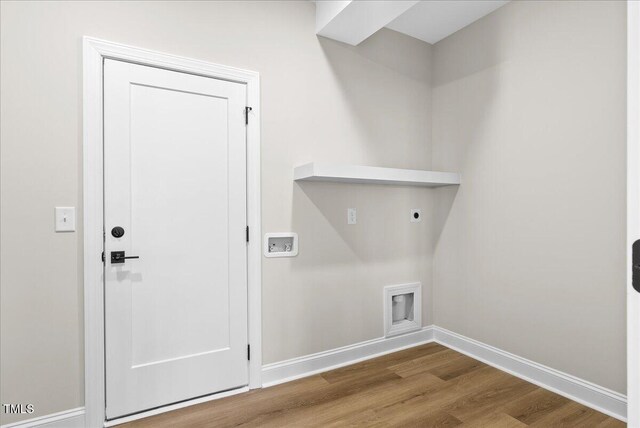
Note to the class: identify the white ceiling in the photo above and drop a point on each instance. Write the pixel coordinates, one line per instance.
(432, 21)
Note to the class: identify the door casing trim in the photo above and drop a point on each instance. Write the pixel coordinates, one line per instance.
(633, 208)
(95, 51)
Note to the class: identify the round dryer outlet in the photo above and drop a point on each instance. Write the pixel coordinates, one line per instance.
(416, 215)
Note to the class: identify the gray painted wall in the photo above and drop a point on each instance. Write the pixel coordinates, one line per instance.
(530, 105)
(321, 101)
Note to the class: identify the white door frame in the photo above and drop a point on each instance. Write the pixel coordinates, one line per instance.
(633, 209)
(94, 53)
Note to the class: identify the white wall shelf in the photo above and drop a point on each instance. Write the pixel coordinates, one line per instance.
(316, 171)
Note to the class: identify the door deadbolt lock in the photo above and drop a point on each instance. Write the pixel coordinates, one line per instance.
(119, 257)
(117, 232)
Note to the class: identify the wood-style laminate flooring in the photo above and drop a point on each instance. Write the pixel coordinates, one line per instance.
(425, 386)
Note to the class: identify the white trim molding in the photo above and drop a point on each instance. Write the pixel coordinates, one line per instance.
(94, 53)
(296, 368)
(601, 399)
(73, 418)
(597, 397)
(591, 395)
(633, 209)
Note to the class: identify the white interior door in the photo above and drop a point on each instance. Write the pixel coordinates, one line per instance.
(633, 214)
(175, 182)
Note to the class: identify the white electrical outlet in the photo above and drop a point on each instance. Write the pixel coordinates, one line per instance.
(351, 216)
(416, 215)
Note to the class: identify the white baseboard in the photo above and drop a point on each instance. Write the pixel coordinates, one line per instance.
(73, 418)
(597, 397)
(295, 368)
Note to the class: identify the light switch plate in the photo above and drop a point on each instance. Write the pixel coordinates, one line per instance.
(65, 219)
(352, 217)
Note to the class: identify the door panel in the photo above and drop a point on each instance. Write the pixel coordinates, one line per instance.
(189, 202)
(176, 318)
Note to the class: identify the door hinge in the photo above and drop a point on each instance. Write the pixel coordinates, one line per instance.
(246, 114)
(103, 257)
(247, 233)
(635, 266)
(248, 352)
